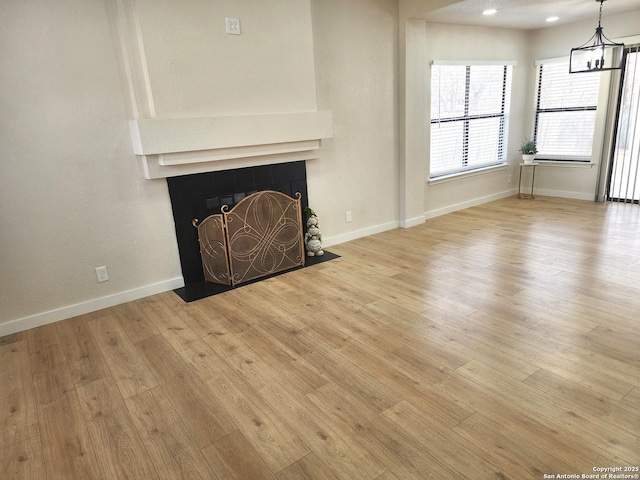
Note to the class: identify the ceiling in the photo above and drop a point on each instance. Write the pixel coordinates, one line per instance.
(529, 14)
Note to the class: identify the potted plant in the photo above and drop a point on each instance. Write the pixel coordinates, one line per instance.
(528, 150)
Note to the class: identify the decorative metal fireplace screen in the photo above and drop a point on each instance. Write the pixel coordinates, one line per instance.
(260, 236)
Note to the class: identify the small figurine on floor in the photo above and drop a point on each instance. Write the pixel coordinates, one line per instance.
(312, 236)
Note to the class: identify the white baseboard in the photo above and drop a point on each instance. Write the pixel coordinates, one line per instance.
(39, 319)
(560, 193)
(412, 222)
(365, 232)
(336, 240)
(470, 203)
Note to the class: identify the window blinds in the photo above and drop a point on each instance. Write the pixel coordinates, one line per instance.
(469, 116)
(565, 112)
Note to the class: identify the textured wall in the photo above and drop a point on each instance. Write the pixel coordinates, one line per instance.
(356, 69)
(72, 197)
(456, 42)
(196, 69)
(581, 182)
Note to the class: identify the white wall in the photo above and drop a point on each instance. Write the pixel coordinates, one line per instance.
(424, 42)
(72, 194)
(356, 44)
(578, 181)
(292, 56)
(195, 69)
(455, 42)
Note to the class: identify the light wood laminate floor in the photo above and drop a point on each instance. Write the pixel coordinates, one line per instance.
(501, 341)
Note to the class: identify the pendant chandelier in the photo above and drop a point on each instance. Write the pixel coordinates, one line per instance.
(597, 54)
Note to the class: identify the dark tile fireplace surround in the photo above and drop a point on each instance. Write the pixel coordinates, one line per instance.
(203, 194)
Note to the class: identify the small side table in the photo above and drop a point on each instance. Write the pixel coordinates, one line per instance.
(533, 179)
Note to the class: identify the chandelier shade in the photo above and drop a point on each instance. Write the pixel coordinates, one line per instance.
(596, 54)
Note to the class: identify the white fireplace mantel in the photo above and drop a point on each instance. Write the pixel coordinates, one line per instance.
(181, 146)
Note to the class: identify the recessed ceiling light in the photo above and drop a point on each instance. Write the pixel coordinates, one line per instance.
(553, 19)
(490, 11)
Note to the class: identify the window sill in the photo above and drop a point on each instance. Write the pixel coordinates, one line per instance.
(471, 173)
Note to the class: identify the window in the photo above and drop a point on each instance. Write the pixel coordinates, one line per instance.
(469, 117)
(565, 112)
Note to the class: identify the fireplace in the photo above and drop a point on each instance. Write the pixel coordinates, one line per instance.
(204, 144)
(203, 194)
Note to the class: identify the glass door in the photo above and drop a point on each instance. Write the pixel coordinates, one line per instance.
(624, 174)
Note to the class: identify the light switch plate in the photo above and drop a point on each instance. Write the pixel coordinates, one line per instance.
(232, 25)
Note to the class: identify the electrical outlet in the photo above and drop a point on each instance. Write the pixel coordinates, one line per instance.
(232, 26)
(509, 178)
(101, 274)
(347, 216)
